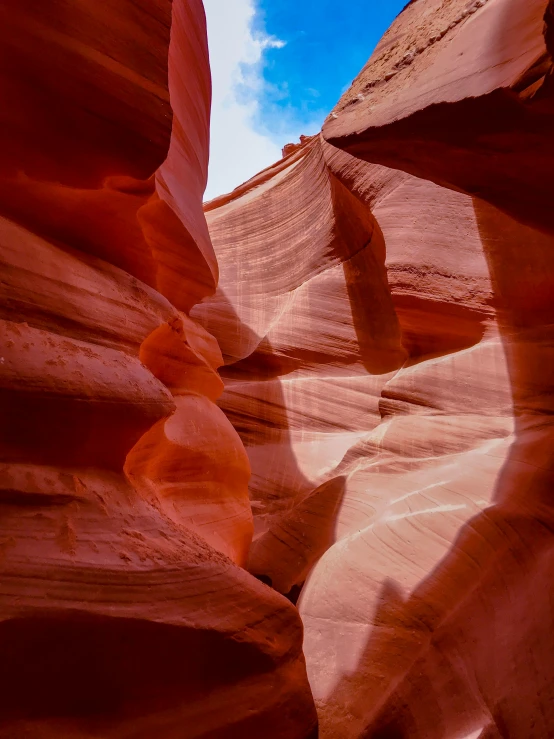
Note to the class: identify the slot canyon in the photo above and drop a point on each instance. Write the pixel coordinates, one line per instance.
(279, 465)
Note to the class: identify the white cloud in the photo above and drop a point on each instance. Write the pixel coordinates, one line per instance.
(273, 43)
(238, 150)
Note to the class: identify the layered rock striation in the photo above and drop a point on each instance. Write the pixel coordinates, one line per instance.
(377, 443)
(124, 511)
(385, 311)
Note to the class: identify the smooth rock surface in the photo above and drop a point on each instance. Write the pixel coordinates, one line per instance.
(380, 304)
(124, 512)
(395, 404)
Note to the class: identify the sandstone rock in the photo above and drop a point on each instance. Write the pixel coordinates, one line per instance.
(443, 647)
(384, 320)
(478, 103)
(308, 333)
(123, 487)
(396, 412)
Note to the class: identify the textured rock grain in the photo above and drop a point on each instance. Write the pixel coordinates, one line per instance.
(124, 513)
(383, 319)
(395, 404)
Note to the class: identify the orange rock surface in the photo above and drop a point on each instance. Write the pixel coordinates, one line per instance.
(377, 443)
(385, 314)
(125, 517)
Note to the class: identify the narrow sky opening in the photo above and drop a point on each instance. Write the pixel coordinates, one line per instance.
(278, 68)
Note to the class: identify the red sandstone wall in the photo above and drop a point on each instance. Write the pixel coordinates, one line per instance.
(385, 311)
(124, 513)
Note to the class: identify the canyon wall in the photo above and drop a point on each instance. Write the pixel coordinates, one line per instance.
(385, 314)
(376, 446)
(124, 511)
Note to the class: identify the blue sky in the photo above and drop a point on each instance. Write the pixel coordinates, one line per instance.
(326, 44)
(278, 68)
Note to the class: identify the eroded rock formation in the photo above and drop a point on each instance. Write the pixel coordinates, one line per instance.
(381, 300)
(124, 512)
(385, 314)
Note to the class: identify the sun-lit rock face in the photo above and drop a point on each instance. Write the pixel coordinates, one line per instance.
(308, 329)
(124, 513)
(460, 93)
(385, 314)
